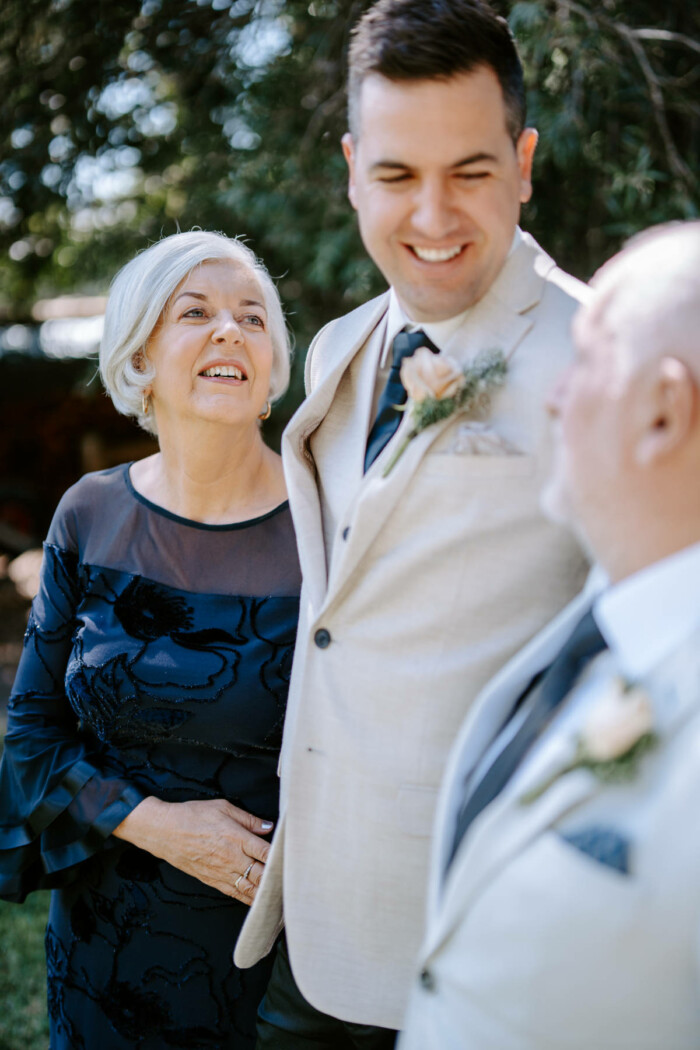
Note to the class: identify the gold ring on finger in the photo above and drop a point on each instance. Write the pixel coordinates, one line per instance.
(248, 870)
(235, 885)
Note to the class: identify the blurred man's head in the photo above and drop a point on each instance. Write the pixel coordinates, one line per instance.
(438, 155)
(627, 412)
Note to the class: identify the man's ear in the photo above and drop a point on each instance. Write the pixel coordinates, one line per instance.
(349, 154)
(670, 411)
(525, 148)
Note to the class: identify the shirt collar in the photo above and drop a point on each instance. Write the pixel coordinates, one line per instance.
(645, 617)
(440, 332)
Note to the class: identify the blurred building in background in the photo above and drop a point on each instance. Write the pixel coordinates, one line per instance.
(57, 423)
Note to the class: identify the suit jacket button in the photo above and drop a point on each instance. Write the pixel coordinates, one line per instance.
(322, 638)
(427, 979)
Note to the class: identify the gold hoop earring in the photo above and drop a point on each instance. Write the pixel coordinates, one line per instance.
(267, 413)
(145, 404)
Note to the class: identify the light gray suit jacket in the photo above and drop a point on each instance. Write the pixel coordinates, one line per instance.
(426, 582)
(534, 943)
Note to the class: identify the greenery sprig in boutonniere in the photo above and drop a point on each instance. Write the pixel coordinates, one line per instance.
(437, 387)
(616, 736)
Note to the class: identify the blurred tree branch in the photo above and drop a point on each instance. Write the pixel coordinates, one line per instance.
(123, 121)
(654, 83)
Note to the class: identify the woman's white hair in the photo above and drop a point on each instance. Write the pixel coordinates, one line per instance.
(138, 296)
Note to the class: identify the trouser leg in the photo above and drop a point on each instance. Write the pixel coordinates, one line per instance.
(287, 1021)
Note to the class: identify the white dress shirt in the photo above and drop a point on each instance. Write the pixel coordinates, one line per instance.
(644, 619)
(648, 615)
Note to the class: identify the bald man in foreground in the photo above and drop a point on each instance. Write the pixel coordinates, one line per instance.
(564, 907)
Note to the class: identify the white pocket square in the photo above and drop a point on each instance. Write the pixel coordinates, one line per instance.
(480, 439)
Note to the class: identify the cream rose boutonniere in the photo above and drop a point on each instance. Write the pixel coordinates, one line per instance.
(617, 734)
(427, 375)
(437, 387)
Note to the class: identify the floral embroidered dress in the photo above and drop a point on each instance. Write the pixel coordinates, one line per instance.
(156, 662)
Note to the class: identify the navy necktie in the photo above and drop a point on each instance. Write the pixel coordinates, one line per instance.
(388, 418)
(554, 685)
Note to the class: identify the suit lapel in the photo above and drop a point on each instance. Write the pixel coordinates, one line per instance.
(487, 718)
(507, 825)
(350, 332)
(306, 515)
(375, 498)
(338, 446)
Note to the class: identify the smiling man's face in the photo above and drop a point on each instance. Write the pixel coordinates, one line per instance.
(437, 183)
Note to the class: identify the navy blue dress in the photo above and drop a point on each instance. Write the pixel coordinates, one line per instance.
(156, 662)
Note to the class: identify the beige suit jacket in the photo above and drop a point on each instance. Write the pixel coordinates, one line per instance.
(533, 944)
(427, 582)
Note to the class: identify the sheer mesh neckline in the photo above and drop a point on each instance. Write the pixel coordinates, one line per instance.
(190, 521)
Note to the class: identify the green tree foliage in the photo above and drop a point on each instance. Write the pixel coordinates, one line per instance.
(125, 120)
(613, 90)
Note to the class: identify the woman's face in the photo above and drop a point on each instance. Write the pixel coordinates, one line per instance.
(211, 349)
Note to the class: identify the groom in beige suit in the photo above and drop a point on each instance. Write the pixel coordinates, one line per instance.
(421, 582)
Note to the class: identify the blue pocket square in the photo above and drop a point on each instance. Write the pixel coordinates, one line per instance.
(606, 846)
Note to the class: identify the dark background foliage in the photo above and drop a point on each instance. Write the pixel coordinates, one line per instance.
(228, 115)
(123, 120)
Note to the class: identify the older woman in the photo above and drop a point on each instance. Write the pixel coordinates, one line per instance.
(139, 774)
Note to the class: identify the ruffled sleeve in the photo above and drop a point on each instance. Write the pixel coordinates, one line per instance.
(59, 802)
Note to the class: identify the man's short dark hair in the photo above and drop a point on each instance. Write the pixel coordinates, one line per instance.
(435, 40)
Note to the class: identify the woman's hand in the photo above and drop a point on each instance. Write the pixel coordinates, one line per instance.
(214, 841)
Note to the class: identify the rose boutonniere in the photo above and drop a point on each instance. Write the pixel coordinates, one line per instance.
(437, 387)
(616, 735)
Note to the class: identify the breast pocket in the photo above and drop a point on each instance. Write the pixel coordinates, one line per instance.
(464, 465)
(565, 889)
